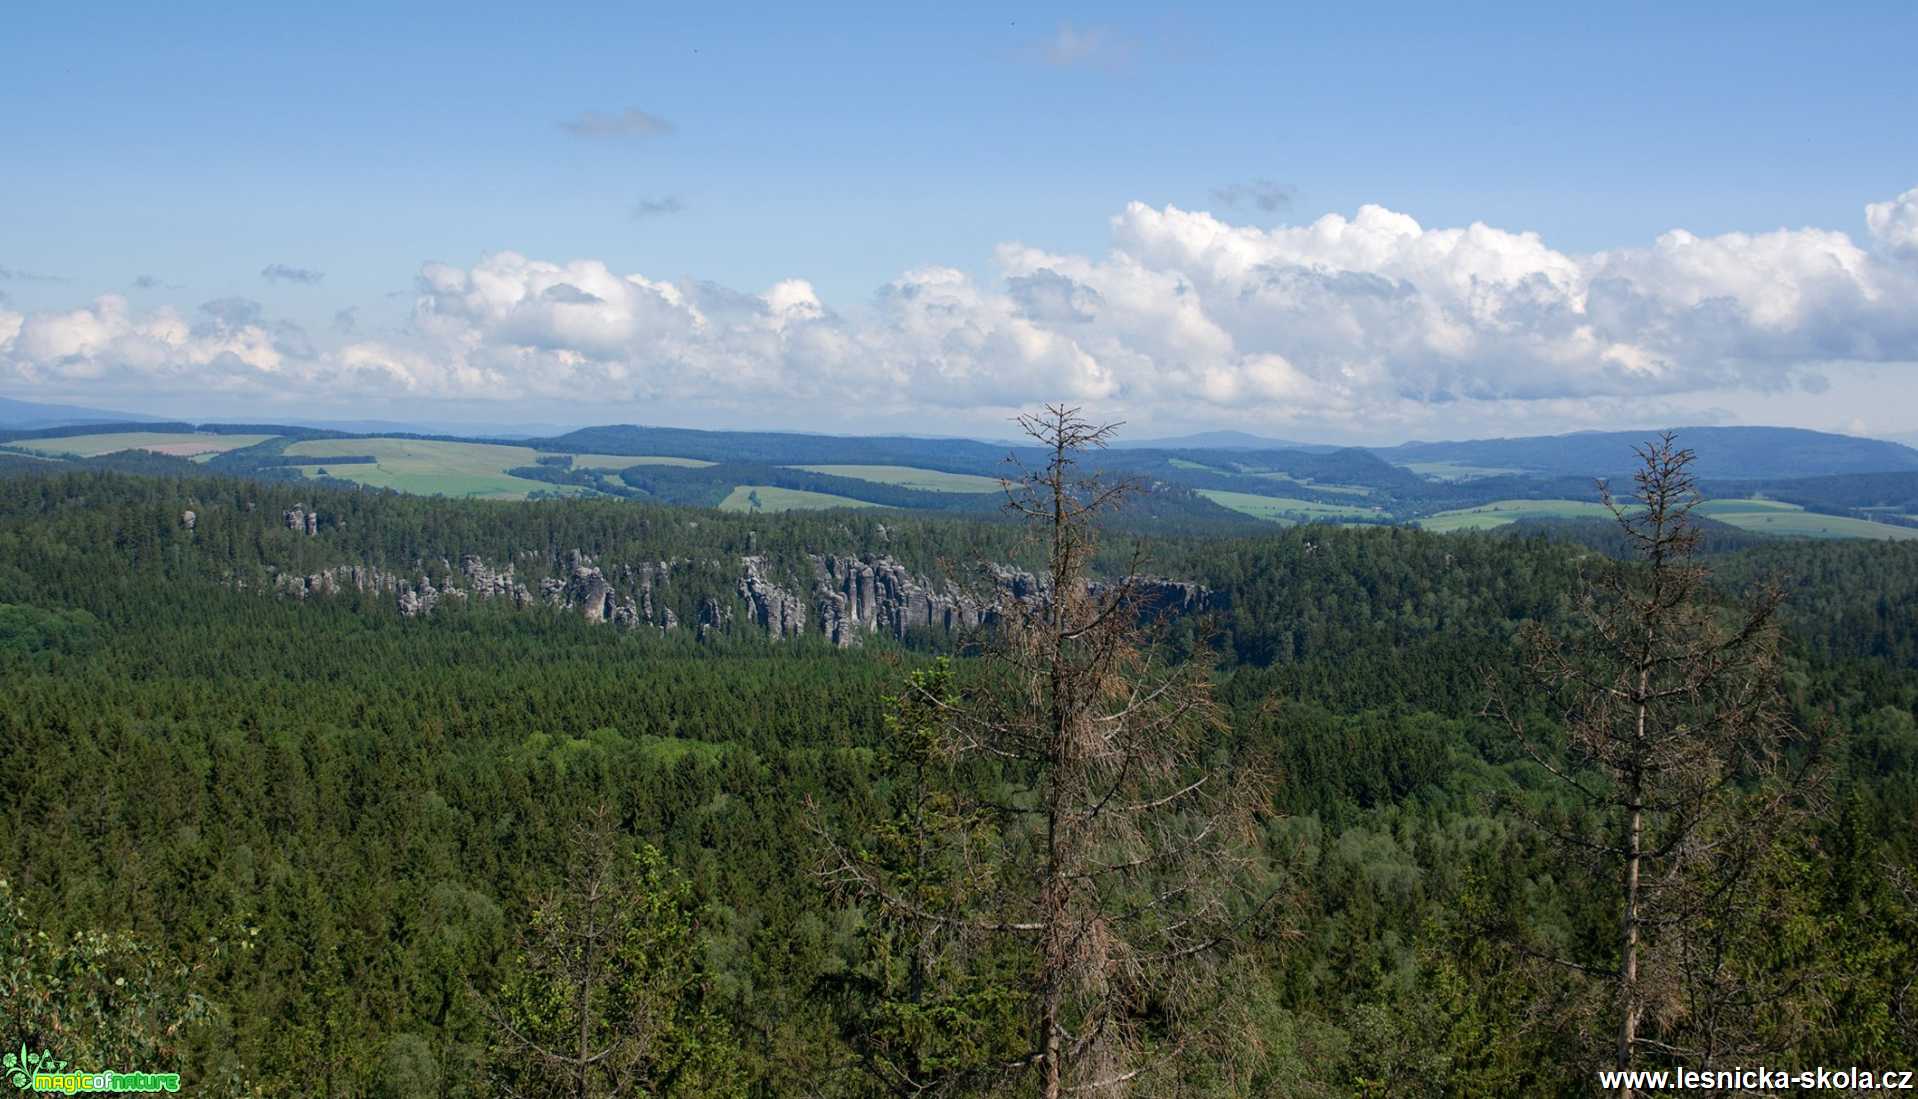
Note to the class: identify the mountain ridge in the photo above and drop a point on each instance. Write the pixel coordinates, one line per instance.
(18, 414)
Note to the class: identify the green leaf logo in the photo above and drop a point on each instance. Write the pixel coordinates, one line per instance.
(21, 1067)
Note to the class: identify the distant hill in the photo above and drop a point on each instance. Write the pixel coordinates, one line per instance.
(1724, 453)
(448, 428)
(31, 414)
(1217, 440)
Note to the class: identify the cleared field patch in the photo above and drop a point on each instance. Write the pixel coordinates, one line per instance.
(1792, 521)
(628, 461)
(1810, 524)
(1187, 463)
(1317, 486)
(180, 444)
(430, 467)
(1500, 512)
(1284, 509)
(925, 480)
(1718, 509)
(1456, 471)
(773, 498)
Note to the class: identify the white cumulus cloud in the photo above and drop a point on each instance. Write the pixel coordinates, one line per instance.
(1895, 223)
(1351, 320)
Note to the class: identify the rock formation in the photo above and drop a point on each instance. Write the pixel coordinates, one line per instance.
(298, 519)
(483, 582)
(870, 594)
(774, 609)
(712, 617)
(851, 596)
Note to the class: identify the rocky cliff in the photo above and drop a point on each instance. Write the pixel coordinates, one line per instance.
(849, 596)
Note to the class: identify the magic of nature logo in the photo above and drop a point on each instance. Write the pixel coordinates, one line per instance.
(42, 1071)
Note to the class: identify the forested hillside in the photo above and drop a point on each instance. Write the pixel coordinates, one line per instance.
(285, 837)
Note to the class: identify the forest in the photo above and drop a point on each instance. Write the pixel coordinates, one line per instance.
(1356, 829)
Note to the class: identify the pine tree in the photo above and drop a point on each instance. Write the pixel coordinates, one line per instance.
(606, 993)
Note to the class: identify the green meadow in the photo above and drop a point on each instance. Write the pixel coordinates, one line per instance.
(1792, 521)
(436, 467)
(431, 467)
(1456, 471)
(1319, 486)
(773, 498)
(1758, 515)
(1284, 509)
(1187, 463)
(1719, 509)
(926, 480)
(1500, 512)
(628, 461)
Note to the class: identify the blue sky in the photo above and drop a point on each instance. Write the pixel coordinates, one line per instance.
(201, 146)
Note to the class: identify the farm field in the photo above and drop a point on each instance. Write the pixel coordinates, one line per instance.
(628, 461)
(1318, 486)
(926, 480)
(1187, 463)
(1719, 509)
(180, 444)
(1792, 521)
(1456, 471)
(772, 498)
(1500, 512)
(1284, 509)
(435, 467)
(430, 467)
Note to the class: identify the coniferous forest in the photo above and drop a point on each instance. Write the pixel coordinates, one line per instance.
(1392, 814)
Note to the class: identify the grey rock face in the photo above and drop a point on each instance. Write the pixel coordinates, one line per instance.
(850, 596)
(188, 519)
(1155, 596)
(772, 608)
(582, 588)
(712, 617)
(483, 582)
(585, 589)
(859, 595)
(413, 603)
(299, 520)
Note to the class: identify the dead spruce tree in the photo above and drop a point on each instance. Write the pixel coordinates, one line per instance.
(1674, 751)
(1092, 840)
